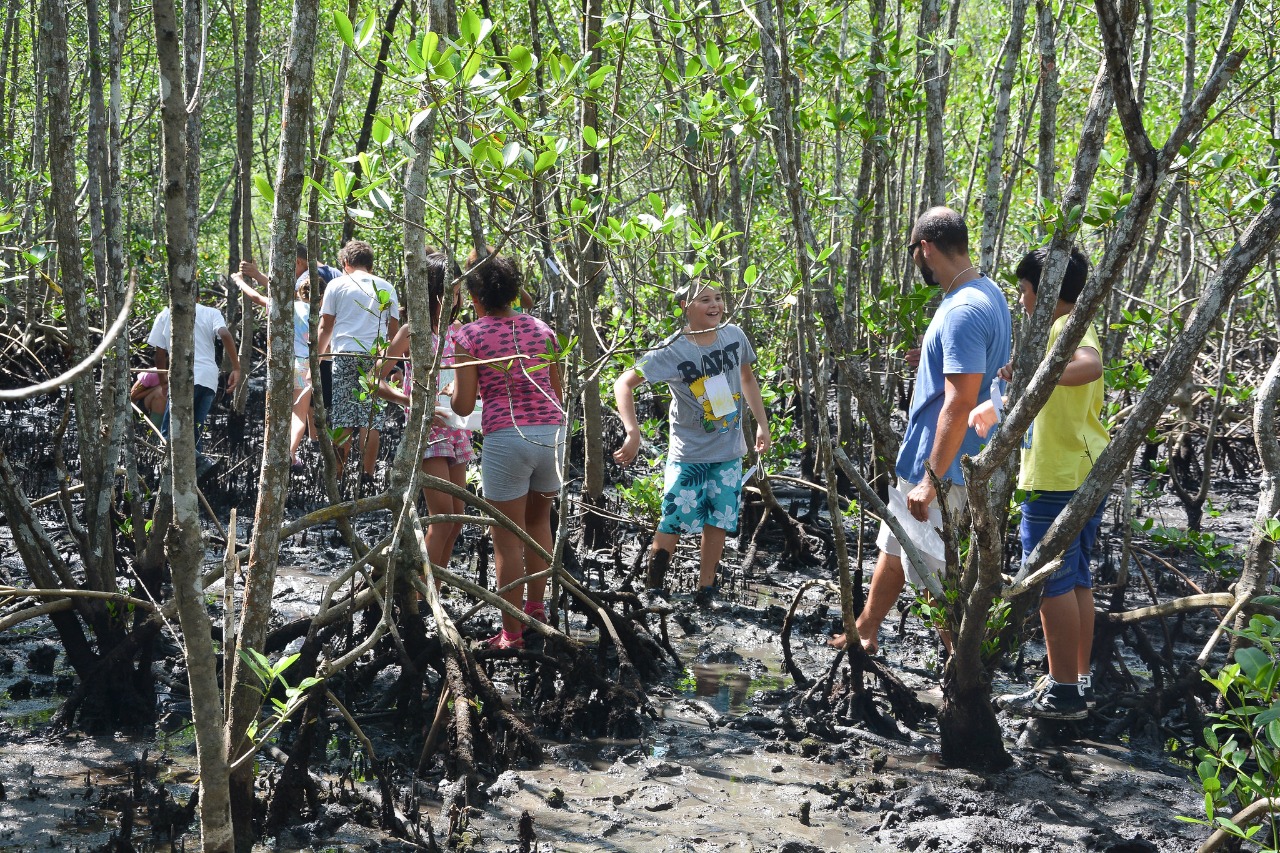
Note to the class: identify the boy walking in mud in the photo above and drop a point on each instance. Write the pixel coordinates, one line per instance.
(1057, 454)
(707, 366)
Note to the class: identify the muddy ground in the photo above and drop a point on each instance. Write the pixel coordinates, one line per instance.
(724, 767)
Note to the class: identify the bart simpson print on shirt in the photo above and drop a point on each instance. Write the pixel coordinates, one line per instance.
(710, 422)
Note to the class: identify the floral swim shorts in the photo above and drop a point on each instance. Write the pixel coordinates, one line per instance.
(698, 494)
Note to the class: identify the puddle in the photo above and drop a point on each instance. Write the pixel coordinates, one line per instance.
(727, 687)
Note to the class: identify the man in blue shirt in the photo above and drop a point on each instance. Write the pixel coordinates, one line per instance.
(967, 341)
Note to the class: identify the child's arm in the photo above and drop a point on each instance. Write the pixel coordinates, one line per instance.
(250, 270)
(1085, 367)
(233, 355)
(248, 290)
(399, 347)
(625, 398)
(464, 383)
(751, 393)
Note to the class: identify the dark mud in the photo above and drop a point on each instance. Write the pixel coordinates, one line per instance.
(725, 767)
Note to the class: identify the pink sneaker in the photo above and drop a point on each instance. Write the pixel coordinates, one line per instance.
(503, 640)
(536, 609)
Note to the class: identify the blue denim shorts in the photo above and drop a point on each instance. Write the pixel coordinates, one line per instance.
(701, 494)
(1037, 515)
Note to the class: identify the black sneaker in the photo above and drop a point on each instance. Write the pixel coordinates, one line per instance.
(1086, 684)
(655, 597)
(703, 598)
(1048, 700)
(205, 464)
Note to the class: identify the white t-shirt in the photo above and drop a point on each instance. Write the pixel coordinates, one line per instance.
(358, 320)
(208, 323)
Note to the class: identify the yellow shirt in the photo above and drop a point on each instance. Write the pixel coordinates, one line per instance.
(1066, 437)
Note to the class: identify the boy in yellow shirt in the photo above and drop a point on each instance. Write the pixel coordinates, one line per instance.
(1057, 454)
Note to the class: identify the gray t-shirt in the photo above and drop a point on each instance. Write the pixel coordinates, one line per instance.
(697, 435)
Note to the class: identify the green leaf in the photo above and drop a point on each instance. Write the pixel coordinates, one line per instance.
(265, 189)
(340, 184)
(521, 58)
(381, 131)
(418, 119)
(472, 67)
(365, 34)
(345, 31)
(1252, 661)
(589, 136)
(429, 42)
(510, 154)
(36, 255)
(468, 26)
(463, 148)
(713, 55)
(545, 161)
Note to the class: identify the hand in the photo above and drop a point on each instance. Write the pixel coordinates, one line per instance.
(919, 498)
(249, 269)
(233, 379)
(913, 357)
(983, 418)
(1006, 372)
(627, 452)
(763, 441)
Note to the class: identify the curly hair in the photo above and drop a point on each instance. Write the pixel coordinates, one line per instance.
(1032, 265)
(358, 254)
(441, 273)
(494, 280)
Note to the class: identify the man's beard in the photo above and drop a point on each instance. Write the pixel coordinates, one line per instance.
(926, 273)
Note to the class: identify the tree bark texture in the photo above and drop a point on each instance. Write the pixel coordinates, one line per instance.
(274, 483)
(184, 540)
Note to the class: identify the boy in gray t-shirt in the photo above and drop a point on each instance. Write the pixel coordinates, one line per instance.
(708, 368)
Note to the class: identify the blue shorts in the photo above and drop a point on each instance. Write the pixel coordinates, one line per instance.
(1037, 515)
(701, 494)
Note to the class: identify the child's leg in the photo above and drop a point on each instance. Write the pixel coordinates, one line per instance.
(712, 550)
(298, 420)
(509, 559)
(370, 440)
(440, 534)
(537, 515)
(1060, 617)
(1084, 591)
(1084, 643)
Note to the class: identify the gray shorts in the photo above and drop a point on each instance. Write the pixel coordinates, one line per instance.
(347, 409)
(518, 460)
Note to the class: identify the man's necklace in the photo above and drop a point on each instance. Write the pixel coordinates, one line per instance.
(957, 275)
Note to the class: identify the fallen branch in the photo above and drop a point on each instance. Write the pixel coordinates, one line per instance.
(1172, 608)
(117, 597)
(1246, 816)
